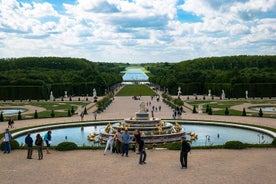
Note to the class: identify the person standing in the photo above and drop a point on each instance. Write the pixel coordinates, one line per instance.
(48, 140)
(125, 142)
(39, 144)
(142, 150)
(137, 139)
(185, 148)
(29, 142)
(109, 143)
(95, 115)
(117, 138)
(7, 141)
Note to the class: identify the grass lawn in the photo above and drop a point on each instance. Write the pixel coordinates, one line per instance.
(136, 90)
(60, 108)
(218, 107)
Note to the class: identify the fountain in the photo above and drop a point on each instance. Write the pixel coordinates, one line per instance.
(153, 129)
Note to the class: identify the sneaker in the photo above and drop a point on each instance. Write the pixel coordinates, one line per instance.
(144, 162)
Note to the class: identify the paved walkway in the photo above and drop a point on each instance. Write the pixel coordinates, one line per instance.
(214, 166)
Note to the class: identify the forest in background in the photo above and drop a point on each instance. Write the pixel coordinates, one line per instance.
(35, 77)
(234, 74)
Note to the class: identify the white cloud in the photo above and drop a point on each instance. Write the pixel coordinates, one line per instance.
(139, 30)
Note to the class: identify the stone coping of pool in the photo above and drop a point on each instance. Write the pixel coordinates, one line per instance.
(76, 124)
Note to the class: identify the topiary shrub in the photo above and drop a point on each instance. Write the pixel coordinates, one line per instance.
(274, 142)
(234, 145)
(14, 145)
(35, 115)
(261, 112)
(173, 146)
(66, 146)
(226, 112)
(194, 109)
(243, 112)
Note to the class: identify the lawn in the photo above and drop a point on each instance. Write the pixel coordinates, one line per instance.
(219, 107)
(60, 108)
(136, 90)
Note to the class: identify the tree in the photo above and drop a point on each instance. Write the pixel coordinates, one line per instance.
(72, 110)
(194, 109)
(210, 111)
(85, 110)
(35, 115)
(53, 113)
(69, 113)
(1, 117)
(226, 112)
(261, 112)
(19, 117)
(207, 108)
(243, 112)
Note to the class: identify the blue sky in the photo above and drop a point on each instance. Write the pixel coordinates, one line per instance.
(137, 31)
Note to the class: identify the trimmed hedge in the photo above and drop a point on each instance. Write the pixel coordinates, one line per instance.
(234, 145)
(274, 142)
(14, 145)
(66, 146)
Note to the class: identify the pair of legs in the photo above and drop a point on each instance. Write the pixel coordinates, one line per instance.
(143, 156)
(118, 147)
(125, 149)
(47, 147)
(7, 147)
(183, 159)
(30, 153)
(108, 144)
(40, 153)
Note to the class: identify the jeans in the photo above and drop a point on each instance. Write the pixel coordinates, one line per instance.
(143, 156)
(183, 158)
(40, 153)
(7, 147)
(30, 152)
(125, 149)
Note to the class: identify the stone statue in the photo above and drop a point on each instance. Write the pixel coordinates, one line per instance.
(142, 107)
(94, 92)
(65, 94)
(179, 91)
(246, 94)
(209, 93)
(222, 95)
(52, 96)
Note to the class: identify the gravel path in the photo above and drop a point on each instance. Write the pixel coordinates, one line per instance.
(214, 166)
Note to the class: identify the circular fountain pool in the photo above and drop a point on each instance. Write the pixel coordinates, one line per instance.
(209, 133)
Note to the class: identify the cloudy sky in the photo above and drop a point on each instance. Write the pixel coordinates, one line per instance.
(137, 31)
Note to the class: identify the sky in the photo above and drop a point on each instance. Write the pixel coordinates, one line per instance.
(137, 31)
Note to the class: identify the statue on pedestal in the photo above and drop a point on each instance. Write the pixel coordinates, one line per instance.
(52, 96)
(142, 107)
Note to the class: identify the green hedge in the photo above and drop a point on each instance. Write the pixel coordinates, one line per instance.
(14, 145)
(234, 145)
(274, 142)
(66, 146)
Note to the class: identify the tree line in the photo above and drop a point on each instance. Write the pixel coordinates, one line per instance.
(234, 74)
(35, 77)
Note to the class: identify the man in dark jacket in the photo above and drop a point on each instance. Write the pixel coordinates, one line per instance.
(185, 148)
(29, 142)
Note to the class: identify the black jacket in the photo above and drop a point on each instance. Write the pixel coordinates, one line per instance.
(29, 141)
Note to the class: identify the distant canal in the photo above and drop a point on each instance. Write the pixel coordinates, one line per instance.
(135, 75)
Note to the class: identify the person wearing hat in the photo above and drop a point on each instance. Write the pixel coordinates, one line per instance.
(142, 150)
(185, 148)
